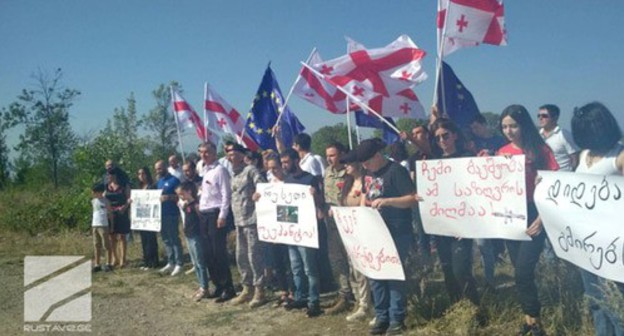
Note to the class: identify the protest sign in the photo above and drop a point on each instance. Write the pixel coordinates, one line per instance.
(286, 214)
(582, 217)
(368, 243)
(473, 197)
(145, 210)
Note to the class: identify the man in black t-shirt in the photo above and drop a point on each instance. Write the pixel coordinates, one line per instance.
(389, 189)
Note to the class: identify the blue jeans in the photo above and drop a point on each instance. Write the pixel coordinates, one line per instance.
(390, 296)
(606, 322)
(196, 252)
(171, 239)
(488, 259)
(304, 265)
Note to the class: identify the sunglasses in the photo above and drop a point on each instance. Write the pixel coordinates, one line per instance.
(543, 116)
(443, 136)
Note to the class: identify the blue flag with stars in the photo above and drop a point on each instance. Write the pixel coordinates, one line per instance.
(454, 99)
(364, 119)
(264, 111)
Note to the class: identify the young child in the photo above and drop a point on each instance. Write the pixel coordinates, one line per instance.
(101, 236)
(187, 192)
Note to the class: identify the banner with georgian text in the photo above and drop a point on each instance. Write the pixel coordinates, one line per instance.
(286, 214)
(582, 215)
(473, 197)
(145, 210)
(368, 243)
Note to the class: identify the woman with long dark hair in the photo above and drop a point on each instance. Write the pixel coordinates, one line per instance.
(524, 139)
(455, 254)
(598, 134)
(118, 193)
(149, 241)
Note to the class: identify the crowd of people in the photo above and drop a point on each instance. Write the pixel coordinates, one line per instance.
(214, 196)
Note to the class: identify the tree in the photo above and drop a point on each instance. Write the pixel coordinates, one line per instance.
(161, 123)
(328, 134)
(4, 150)
(48, 139)
(119, 141)
(493, 120)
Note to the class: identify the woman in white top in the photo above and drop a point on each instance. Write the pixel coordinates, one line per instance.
(597, 133)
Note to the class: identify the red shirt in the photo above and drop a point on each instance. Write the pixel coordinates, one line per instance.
(530, 172)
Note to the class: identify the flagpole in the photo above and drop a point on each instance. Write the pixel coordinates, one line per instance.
(175, 116)
(292, 88)
(439, 72)
(355, 99)
(357, 134)
(205, 114)
(349, 125)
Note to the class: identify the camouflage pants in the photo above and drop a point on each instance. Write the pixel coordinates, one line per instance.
(338, 257)
(249, 256)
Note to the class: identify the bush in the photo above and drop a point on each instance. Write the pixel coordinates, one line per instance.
(45, 210)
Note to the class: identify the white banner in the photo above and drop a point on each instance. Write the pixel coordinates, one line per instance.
(582, 215)
(473, 197)
(286, 214)
(368, 243)
(145, 210)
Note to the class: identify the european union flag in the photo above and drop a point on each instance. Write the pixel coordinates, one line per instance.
(264, 113)
(454, 99)
(363, 119)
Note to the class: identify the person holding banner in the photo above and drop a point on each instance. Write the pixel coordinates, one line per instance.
(350, 195)
(149, 241)
(388, 188)
(524, 138)
(455, 253)
(338, 258)
(598, 134)
(304, 260)
(249, 250)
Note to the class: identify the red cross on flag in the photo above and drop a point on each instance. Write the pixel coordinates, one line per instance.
(223, 117)
(466, 23)
(186, 117)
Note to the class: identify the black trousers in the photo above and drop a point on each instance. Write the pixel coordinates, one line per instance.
(524, 257)
(149, 244)
(456, 261)
(214, 244)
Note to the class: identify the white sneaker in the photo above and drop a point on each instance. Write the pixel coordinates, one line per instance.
(176, 270)
(166, 269)
(358, 315)
(372, 322)
(191, 271)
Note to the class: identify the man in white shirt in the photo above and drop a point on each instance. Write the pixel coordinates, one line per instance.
(308, 162)
(558, 139)
(175, 169)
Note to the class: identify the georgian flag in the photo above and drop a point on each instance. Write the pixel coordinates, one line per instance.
(467, 23)
(402, 104)
(223, 117)
(317, 90)
(369, 72)
(186, 117)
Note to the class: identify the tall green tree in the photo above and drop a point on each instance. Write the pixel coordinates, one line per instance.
(4, 150)
(328, 134)
(43, 111)
(119, 140)
(161, 124)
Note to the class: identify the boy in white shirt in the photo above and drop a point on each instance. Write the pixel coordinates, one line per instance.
(99, 223)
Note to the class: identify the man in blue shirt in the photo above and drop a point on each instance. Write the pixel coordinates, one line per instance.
(170, 217)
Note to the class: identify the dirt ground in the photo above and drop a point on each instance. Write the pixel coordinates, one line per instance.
(132, 302)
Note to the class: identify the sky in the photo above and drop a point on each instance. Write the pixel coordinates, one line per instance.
(565, 52)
